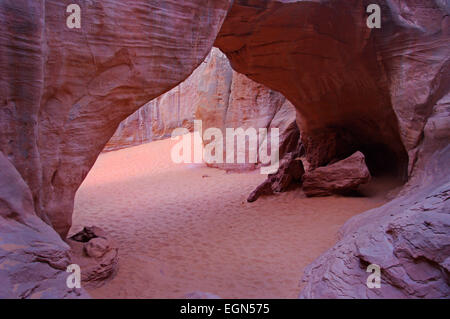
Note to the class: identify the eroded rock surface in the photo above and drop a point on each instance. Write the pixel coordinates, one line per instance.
(352, 85)
(339, 178)
(409, 238)
(63, 93)
(289, 174)
(380, 91)
(219, 97)
(33, 258)
(96, 254)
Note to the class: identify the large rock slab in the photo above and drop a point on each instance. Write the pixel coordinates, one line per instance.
(339, 178)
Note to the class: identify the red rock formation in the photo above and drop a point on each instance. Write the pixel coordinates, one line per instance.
(291, 171)
(253, 105)
(371, 90)
(409, 238)
(322, 57)
(219, 97)
(70, 88)
(64, 92)
(208, 87)
(33, 258)
(232, 100)
(134, 130)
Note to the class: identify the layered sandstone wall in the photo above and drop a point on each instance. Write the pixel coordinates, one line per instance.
(208, 86)
(219, 97)
(63, 92)
(380, 91)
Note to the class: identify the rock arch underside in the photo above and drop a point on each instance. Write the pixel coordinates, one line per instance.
(382, 91)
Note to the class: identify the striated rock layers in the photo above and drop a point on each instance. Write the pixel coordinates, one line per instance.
(63, 92)
(383, 92)
(220, 98)
(33, 258)
(208, 86)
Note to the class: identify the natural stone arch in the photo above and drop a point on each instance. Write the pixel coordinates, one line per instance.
(65, 91)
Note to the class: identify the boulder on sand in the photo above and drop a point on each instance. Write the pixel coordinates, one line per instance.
(291, 170)
(338, 178)
(96, 254)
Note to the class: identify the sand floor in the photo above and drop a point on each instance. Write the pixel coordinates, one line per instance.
(180, 231)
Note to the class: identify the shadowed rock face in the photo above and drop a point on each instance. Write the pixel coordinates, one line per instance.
(33, 258)
(355, 88)
(382, 91)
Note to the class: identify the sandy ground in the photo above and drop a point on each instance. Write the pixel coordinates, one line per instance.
(185, 228)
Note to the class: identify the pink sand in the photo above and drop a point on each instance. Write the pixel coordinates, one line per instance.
(180, 231)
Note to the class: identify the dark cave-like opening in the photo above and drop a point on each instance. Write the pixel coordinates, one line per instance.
(383, 161)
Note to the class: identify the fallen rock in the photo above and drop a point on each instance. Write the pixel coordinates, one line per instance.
(96, 254)
(291, 170)
(97, 247)
(338, 178)
(264, 189)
